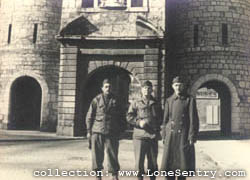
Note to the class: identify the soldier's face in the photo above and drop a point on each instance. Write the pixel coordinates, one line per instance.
(146, 91)
(178, 88)
(106, 88)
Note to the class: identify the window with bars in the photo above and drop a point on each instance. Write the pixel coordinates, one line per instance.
(196, 35)
(224, 34)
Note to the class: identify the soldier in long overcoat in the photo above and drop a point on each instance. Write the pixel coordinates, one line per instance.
(104, 124)
(179, 130)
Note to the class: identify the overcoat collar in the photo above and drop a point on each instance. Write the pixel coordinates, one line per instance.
(182, 97)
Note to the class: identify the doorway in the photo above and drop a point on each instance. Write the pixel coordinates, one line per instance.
(25, 104)
(214, 108)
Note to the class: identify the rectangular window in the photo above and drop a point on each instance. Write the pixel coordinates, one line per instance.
(136, 3)
(224, 34)
(87, 3)
(9, 33)
(212, 114)
(35, 33)
(112, 3)
(209, 115)
(127, 5)
(196, 35)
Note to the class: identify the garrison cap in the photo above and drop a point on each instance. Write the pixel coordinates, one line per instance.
(147, 83)
(106, 81)
(178, 79)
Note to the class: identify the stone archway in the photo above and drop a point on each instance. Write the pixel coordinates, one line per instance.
(120, 80)
(214, 108)
(141, 58)
(25, 104)
(44, 99)
(229, 99)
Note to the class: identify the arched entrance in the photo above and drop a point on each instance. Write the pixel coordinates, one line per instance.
(214, 107)
(120, 79)
(25, 104)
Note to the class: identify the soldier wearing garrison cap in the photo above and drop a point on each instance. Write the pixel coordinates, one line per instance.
(104, 124)
(178, 79)
(179, 130)
(145, 115)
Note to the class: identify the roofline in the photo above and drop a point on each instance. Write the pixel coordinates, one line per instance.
(80, 37)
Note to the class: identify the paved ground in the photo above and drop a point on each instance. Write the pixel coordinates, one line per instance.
(19, 159)
(16, 135)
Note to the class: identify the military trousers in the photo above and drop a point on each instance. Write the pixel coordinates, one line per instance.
(145, 148)
(99, 143)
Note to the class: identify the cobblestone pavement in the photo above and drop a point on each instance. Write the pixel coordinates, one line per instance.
(19, 160)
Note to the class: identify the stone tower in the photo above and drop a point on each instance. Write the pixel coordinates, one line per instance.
(29, 63)
(208, 42)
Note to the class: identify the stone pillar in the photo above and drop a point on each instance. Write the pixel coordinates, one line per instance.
(67, 91)
(151, 69)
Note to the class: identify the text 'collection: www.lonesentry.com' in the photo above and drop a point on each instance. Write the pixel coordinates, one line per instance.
(84, 173)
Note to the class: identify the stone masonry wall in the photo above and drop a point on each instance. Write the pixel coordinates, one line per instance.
(109, 33)
(119, 23)
(228, 64)
(22, 57)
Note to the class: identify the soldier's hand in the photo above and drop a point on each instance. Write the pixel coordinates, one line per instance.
(191, 142)
(163, 134)
(142, 123)
(88, 135)
(89, 139)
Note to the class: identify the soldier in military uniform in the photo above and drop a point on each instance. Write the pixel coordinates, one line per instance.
(145, 115)
(179, 130)
(104, 124)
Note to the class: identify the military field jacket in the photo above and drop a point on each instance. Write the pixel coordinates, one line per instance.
(105, 117)
(150, 112)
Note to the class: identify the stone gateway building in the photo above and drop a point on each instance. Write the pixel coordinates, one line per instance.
(54, 55)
